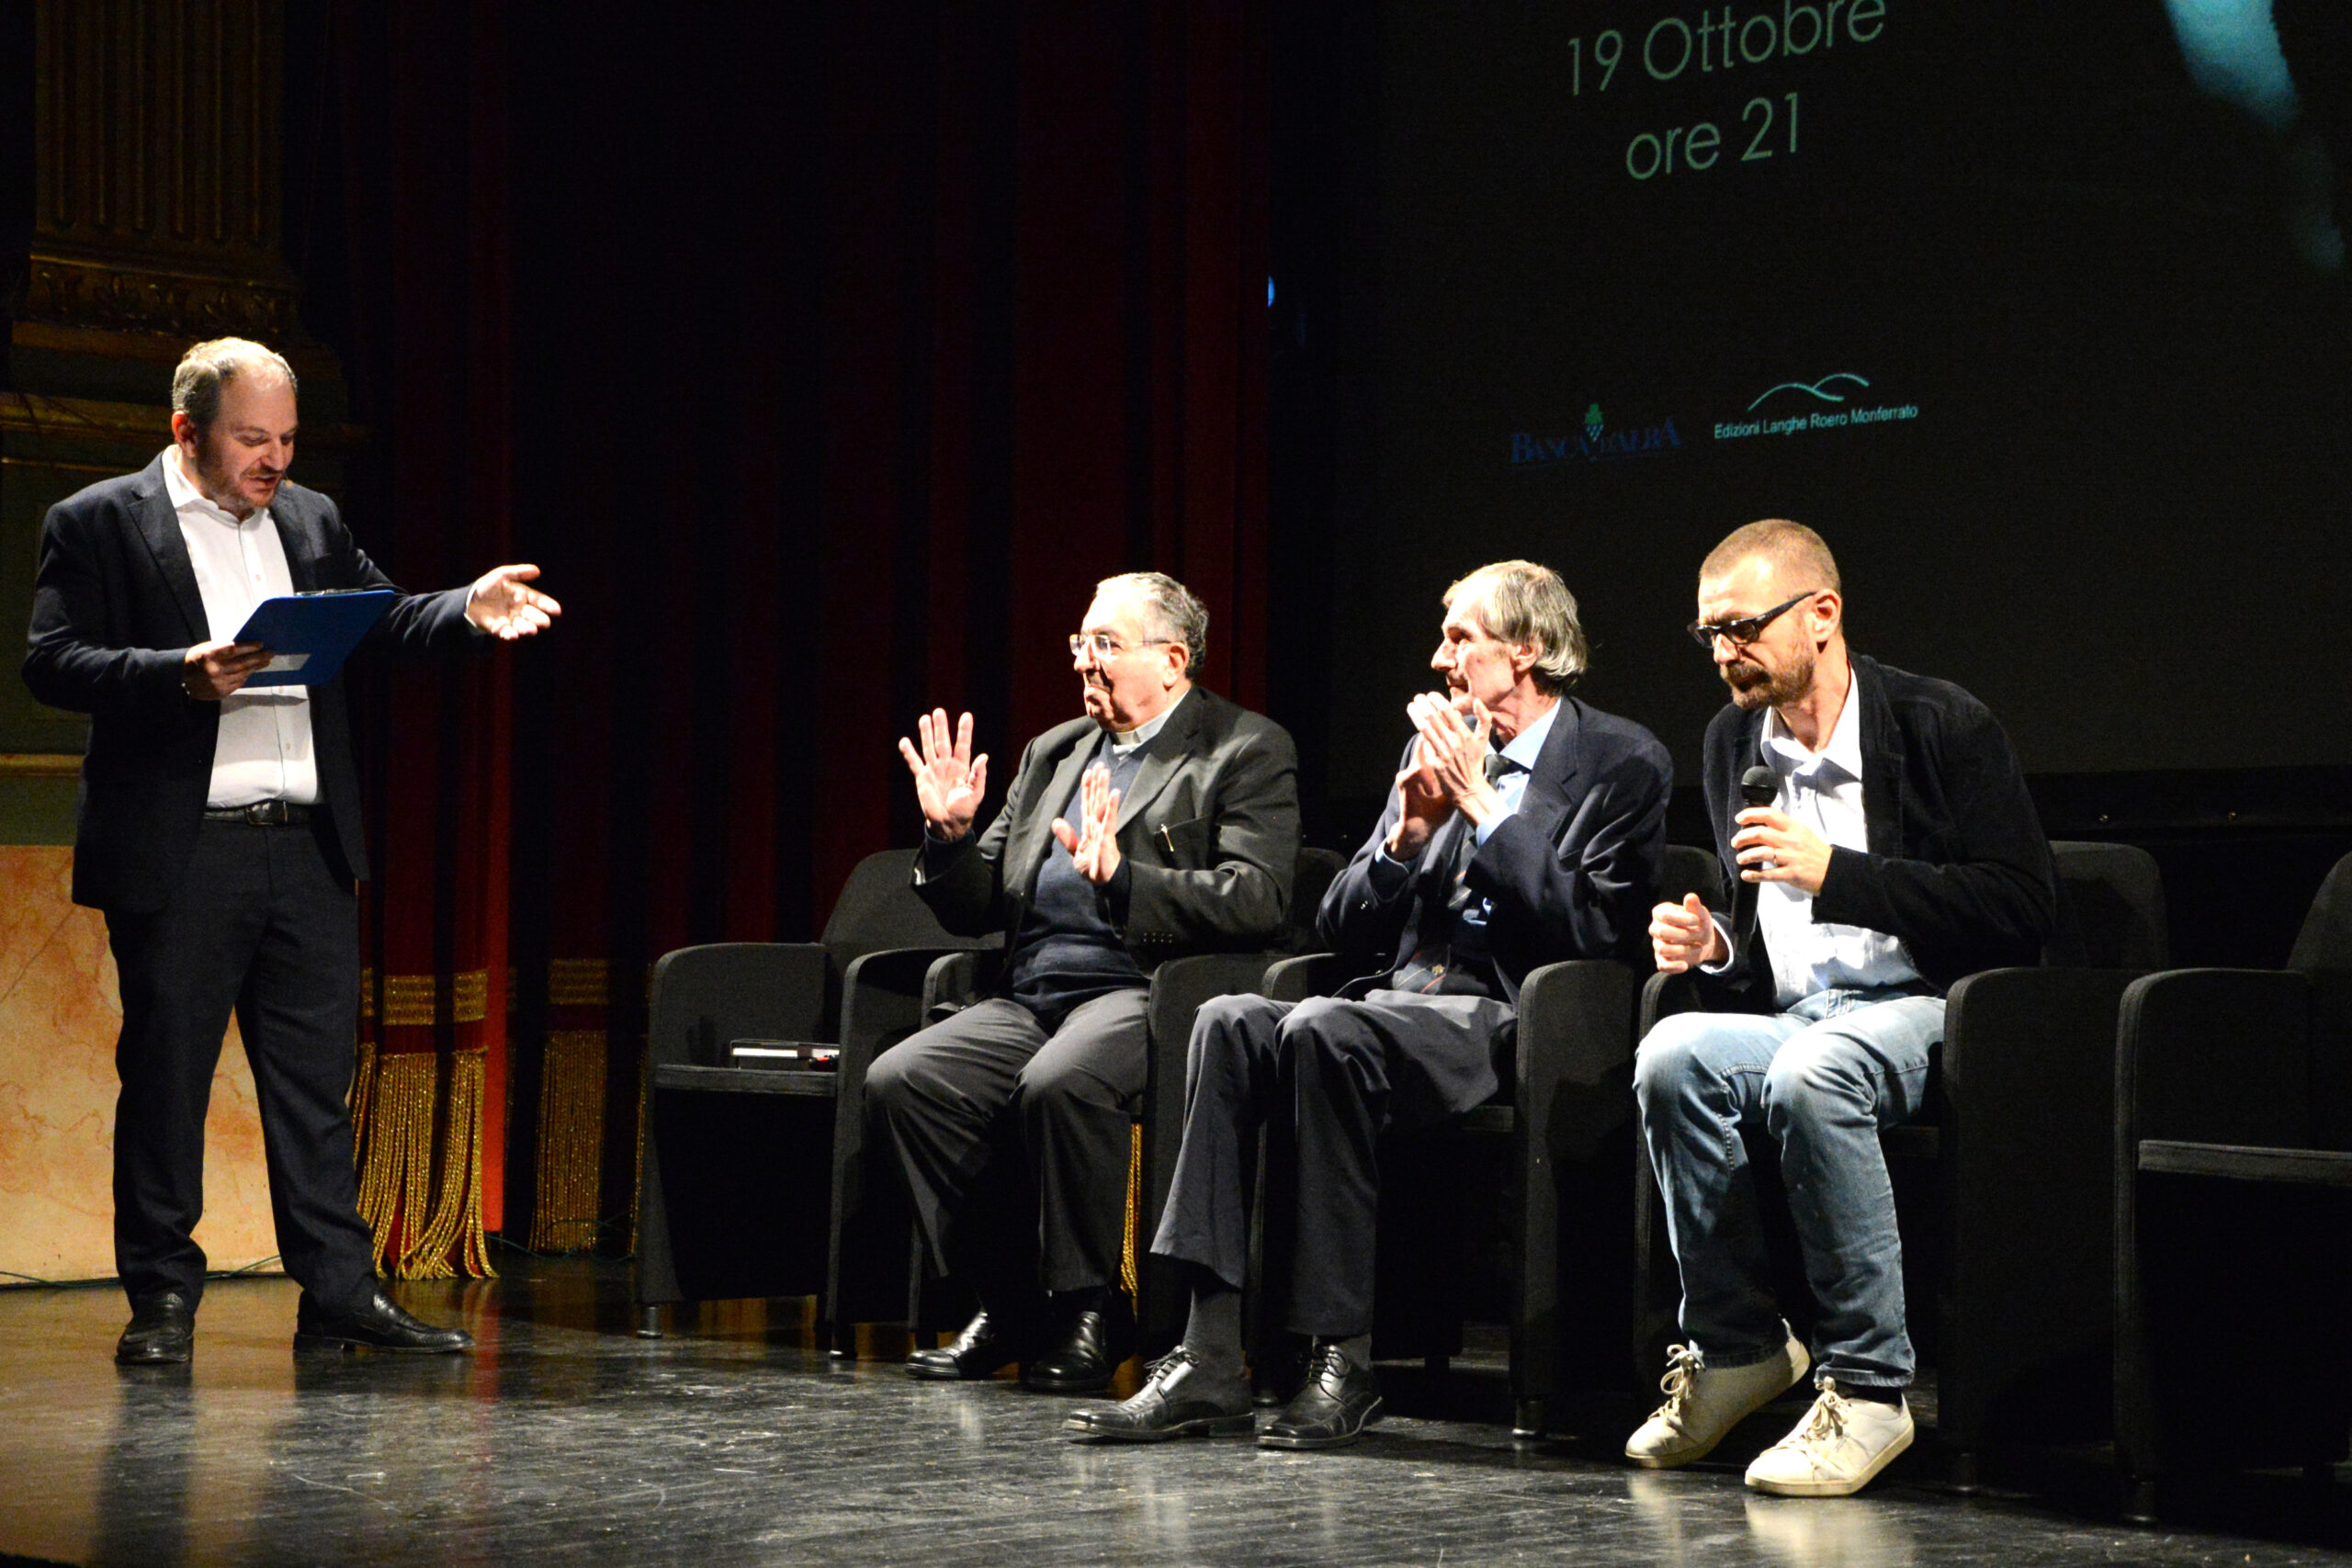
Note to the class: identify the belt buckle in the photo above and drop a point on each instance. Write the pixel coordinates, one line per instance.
(266, 814)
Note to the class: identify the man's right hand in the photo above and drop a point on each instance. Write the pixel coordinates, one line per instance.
(949, 781)
(1683, 936)
(1424, 807)
(211, 670)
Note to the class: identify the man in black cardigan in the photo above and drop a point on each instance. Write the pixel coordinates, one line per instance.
(1894, 851)
(219, 829)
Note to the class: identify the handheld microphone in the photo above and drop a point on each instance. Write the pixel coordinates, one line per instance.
(1760, 787)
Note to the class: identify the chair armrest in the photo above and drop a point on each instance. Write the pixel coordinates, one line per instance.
(1180, 986)
(956, 978)
(793, 976)
(1576, 1047)
(1663, 995)
(2215, 1056)
(1308, 975)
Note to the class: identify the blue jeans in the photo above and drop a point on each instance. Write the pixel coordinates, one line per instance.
(1823, 1079)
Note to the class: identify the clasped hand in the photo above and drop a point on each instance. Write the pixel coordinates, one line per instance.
(1447, 772)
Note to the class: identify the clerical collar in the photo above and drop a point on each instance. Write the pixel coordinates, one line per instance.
(1124, 741)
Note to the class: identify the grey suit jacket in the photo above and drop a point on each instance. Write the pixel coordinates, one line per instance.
(1209, 832)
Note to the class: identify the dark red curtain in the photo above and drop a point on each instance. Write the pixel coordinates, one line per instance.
(824, 357)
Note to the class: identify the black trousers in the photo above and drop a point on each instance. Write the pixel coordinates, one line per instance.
(1331, 1074)
(265, 927)
(1014, 1142)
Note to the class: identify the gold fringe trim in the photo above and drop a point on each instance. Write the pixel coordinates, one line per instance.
(413, 1001)
(578, 983)
(363, 1094)
(435, 1213)
(644, 1109)
(1135, 1211)
(571, 1142)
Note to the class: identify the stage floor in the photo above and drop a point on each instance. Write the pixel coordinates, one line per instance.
(734, 1440)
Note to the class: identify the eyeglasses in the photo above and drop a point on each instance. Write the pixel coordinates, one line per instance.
(1104, 645)
(1745, 629)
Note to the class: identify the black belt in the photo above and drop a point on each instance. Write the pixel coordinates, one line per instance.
(261, 814)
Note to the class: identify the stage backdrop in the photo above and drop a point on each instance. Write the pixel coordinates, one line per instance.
(2040, 313)
(824, 357)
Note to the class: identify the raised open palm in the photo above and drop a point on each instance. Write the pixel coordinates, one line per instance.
(949, 781)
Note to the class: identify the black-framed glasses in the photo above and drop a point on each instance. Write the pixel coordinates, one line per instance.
(1745, 629)
(1105, 645)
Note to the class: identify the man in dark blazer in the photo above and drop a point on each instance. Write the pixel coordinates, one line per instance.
(1888, 848)
(219, 829)
(1162, 823)
(1524, 826)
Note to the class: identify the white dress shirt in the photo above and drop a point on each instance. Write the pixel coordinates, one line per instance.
(1822, 790)
(264, 753)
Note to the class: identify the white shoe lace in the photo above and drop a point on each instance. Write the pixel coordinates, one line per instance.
(1683, 1365)
(1824, 1424)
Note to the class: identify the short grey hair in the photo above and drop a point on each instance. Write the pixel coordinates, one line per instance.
(1181, 616)
(210, 366)
(1523, 602)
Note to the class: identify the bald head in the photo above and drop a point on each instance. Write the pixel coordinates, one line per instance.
(1798, 558)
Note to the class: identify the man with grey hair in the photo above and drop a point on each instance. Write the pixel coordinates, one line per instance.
(1163, 822)
(1523, 827)
(218, 830)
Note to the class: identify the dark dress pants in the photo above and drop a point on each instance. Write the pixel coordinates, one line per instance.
(262, 926)
(1333, 1074)
(1014, 1142)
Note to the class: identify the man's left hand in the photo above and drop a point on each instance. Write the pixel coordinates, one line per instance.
(1093, 844)
(502, 603)
(1773, 847)
(1454, 746)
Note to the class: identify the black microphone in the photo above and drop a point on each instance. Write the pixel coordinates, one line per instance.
(1760, 787)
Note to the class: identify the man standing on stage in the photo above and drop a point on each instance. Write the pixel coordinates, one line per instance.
(219, 829)
(1523, 827)
(1164, 822)
(1898, 853)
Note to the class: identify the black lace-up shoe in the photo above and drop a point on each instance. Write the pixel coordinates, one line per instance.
(979, 1352)
(1179, 1399)
(374, 1323)
(1340, 1400)
(1083, 1360)
(162, 1331)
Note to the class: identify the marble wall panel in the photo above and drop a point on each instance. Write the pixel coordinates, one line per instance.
(59, 1016)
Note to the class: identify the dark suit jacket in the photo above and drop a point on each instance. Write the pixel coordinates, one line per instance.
(1957, 866)
(114, 609)
(1208, 833)
(1572, 874)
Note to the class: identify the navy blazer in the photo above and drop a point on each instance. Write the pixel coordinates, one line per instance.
(1572, 874)
(115, 611)
(1957, 865)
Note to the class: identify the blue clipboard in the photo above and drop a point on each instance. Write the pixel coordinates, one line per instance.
(310, 635)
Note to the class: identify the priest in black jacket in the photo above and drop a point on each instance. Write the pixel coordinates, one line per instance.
(219, 829)
(1523, 827)
(1163, 822)
(1894, 850)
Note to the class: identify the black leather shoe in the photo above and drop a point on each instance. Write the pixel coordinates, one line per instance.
(374, 1324)
(979, 1352)
(161, 1332)
(1179, 1399)
(1340, 1400)
(1084, 1358)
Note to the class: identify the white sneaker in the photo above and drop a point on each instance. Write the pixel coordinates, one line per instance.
(1704, 1403)
(1836, 1450)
